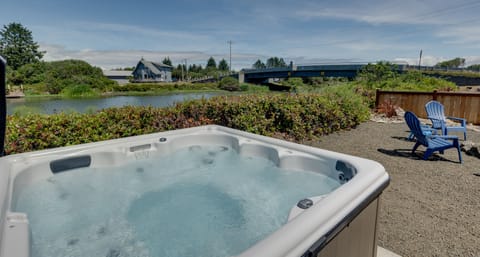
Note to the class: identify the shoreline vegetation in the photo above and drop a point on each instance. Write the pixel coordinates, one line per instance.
(313, 107)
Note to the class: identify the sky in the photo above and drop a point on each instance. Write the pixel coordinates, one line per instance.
(114, 34)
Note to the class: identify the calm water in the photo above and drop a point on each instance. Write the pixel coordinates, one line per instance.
(51, 105)
(202, 201)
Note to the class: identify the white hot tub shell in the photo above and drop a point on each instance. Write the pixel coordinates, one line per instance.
(341, 223)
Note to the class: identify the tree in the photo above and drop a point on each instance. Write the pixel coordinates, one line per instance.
(259, 65)
(223, 65)
(167, 61)
(453, 63)
(373, 74)
(211, 63)
(195, 68)
(17, 45)
(274, 62)
(229, 83)
(474, 67)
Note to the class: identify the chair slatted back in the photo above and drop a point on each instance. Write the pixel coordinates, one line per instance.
(435, 110)
(416, 128)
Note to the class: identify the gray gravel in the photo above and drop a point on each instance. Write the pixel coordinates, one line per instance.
(431, 208)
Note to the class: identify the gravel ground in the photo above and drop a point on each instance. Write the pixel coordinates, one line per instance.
(430, 208)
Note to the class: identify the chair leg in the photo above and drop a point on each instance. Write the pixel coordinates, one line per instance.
(427, 154)
(465, 135)
(417, 144)
(455, 143)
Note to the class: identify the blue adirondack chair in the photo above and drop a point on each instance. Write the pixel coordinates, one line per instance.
(433, 143)
(426, 129)
(436, 114)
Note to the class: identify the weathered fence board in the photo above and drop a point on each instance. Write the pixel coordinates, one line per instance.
(457, 104)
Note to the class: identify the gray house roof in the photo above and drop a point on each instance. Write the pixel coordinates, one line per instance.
(154, 66)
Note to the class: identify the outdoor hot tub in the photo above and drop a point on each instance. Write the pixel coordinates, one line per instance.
(204, 191)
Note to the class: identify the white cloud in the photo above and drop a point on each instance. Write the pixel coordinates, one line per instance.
(465, 34)
(431, 12)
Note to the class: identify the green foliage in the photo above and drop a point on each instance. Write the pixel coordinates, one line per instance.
(29, 74)
(167, 61)
(293, 83)
(453, 73)
(229, 83)
(17, 45)
(223, 65)
(68, 73)
(374, 75)
(79, 91)
(252, 88)
(211, 63)
(259, 65)
(453, 63)
(474, 67)
(385, 76)
(55, 76)
(274, 62)
(296, 117)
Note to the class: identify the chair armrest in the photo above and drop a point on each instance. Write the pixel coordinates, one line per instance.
(463, 121)
(445, 137)
(433, 131)
(435, 119)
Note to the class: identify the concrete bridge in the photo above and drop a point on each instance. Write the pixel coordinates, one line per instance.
(302, 71)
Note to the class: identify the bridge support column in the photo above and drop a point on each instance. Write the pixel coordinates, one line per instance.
(241, 77)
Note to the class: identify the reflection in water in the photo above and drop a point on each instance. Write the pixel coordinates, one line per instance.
(54, 105)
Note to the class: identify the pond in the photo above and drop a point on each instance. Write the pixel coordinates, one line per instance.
(49, 105)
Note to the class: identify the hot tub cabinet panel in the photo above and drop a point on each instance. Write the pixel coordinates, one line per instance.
(340, 223)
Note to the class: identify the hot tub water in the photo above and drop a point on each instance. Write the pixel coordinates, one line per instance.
(198, 201)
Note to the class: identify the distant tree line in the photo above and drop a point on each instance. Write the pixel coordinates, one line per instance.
(457, 63)
(272, 62)
(193, 71)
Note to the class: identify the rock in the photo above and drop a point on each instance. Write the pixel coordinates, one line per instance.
(470, 148)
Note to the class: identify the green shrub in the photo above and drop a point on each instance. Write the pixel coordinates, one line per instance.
(295, 117)
(58, 75)
(229, 83)
(246, 87)
(79, 91)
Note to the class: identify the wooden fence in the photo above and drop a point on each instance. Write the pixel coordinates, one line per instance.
(457, 104)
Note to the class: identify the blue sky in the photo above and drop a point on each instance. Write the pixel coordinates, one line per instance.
(111, 34)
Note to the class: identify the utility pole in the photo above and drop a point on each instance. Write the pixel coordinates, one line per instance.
(230, 66)
(186, 68)
(420, 60)
(181, 66)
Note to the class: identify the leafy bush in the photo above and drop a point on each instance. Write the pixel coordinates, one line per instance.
(296, 117)
(229, 83)
(56, 76)
(385, 76)
(247, 87)
(62, 74)
(79, 91)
